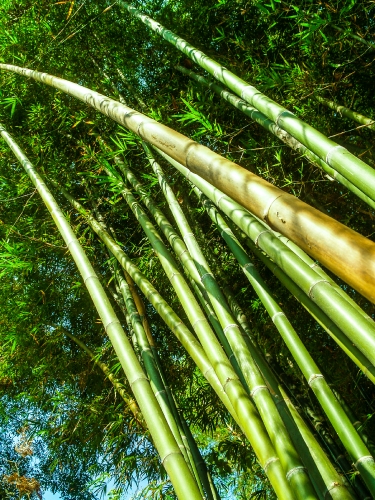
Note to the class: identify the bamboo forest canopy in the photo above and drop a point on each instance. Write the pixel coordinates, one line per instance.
(164, 329)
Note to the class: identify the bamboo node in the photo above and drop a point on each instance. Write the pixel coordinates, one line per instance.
(331, 151)
(249, 264)
(295, 470)
(218, 71)
(249, 87)
(219, 200)
(205, 276)
(268, 208)
(94, 276)
(232, 325)
(280, 313)
(284, 112)
(314, 284)
(334, 485)
(313, 377)
(366, 458)
(258, 388)
(269, 462)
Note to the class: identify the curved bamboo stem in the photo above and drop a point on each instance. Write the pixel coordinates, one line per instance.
(244, 410)
(343, 251)
(353, 323)
(254, 379)
(164, 441)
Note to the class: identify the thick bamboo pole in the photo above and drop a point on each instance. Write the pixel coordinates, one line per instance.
(343, 251)
(359, 453)
(244, 410)
(324, 321)
(339, 158)
(353, 115)
(164, 441)
(353, 323)
(269, 125)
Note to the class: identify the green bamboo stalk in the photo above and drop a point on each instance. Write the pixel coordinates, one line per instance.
(186, 435)
(253, 276)
(343, 251)
(356, 423)
(353, 115)
(131, 403)
(323, 474)
(313, 265)
(184, 256)
(289, 459)
(359, 453)
(324, 321)
(339, 158)
(335, 487)
(244, 410)
(359, 329)
(145, 341)
(152, 369)
(178, 328)
(254, 379)
(269, 125)
(164, 442)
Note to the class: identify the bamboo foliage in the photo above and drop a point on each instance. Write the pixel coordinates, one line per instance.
(343, 251)
(163, 439)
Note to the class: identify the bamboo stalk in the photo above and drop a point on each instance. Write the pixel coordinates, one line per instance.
(244, 410)
(164, 441)
(342, 110)
(324, 321)
(188, 440)
(269, 125)
(343, 251)
(339, 158)
(183, 255)
(152, 369)
(323, 474)
(359, 453)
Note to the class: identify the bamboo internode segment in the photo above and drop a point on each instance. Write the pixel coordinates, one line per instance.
(346, 253)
